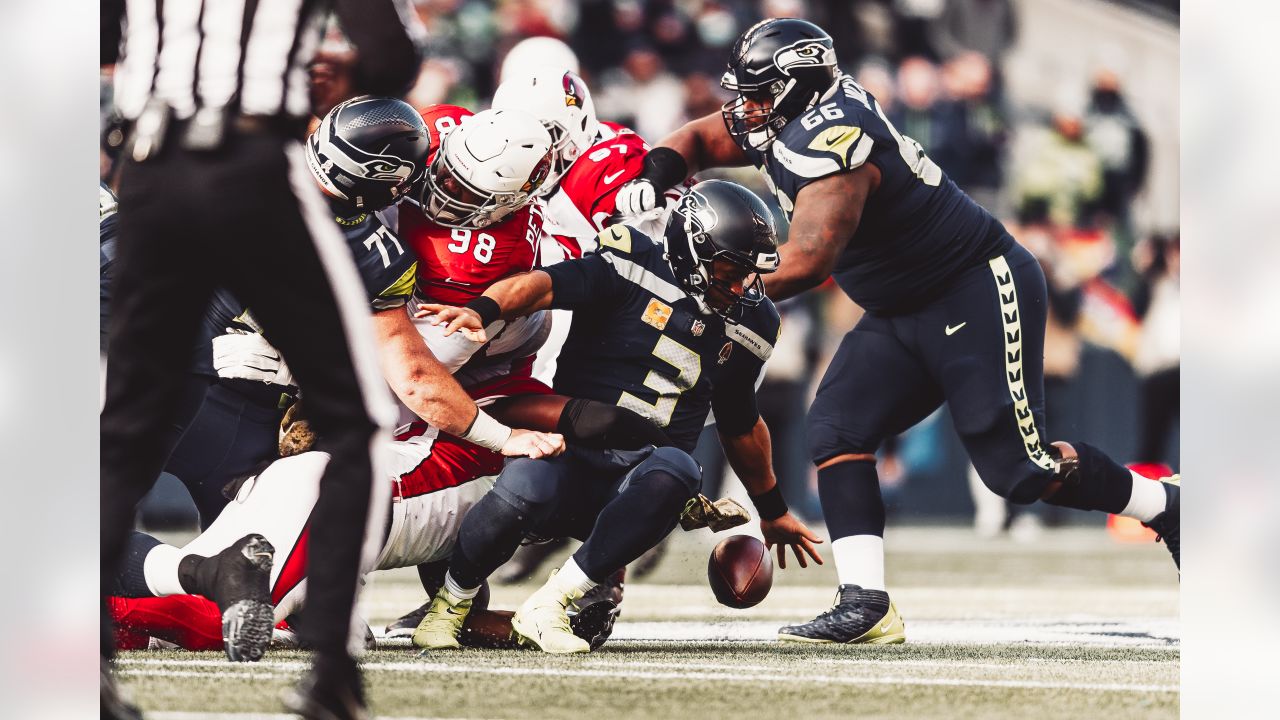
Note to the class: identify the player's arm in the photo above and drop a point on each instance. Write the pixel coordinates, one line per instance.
(826, 216)
(697, 145)
(512, 297)
(431, 393)
(749, 450)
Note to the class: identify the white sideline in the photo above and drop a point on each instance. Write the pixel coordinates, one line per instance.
(632, 671)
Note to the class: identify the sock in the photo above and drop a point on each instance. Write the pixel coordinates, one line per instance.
(860, 561)
(1147, 500)
(160, 569)
(457, 590)
(489, 536)
(131, 581)
(633, 522)
(571, 580)
(1098, 483)
(851, 502)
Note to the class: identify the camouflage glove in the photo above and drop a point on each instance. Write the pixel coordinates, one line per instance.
(296, 435)
(722, 514)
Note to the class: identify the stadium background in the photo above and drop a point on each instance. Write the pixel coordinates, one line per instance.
(1004, 95)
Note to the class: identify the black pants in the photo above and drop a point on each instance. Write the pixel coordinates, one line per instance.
(248, 218)
(979, 348)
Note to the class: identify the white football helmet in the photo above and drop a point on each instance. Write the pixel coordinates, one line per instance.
(487, 168)
(562, 102)
(535, 52)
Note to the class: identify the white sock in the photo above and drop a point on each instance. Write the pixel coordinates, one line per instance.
(570, 579)
(457, 590)
(1147, 499)
(860, 561)
(160, 569)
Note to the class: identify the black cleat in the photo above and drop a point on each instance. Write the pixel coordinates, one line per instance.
(610, 590)
(594, 622)
(238, 580)
(1168, 523)
(858, 617)
(331, 690)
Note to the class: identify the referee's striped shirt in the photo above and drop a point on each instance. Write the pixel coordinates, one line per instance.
(249, 55)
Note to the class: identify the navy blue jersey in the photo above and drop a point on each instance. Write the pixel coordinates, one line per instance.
(918, 231)
(107, 206)
(640, 342)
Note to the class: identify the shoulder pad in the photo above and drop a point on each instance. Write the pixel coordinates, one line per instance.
(758, 331)
(627, 240)
(827, 150)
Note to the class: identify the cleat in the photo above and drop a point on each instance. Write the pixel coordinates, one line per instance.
(610, 590)
(238, 581)
(1168, 523)
(329, 691)
(858, 617)
(594, 622)
(406, 624)
(442, 623)
(542, 622)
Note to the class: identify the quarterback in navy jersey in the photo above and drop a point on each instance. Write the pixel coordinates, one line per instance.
(667, 330)
(955, 309)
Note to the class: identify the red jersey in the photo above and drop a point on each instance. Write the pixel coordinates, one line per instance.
(456, 265)
(582, 205)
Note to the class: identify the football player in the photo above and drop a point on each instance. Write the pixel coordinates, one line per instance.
(955, 309)
(366, 154)
(668, 332)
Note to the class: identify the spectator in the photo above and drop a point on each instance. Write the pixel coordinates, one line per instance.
(1158, 304)
(1115, 134)
(643, 94)
(983, 130)
(876, 76)
(985, 26)
(924, 116)
(1056, 175)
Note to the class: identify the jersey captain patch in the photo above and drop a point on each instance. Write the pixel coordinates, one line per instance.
(657, 314)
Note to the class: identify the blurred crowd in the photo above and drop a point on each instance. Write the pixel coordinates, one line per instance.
(1062, 178)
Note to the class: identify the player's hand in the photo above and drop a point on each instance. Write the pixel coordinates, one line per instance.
(454, 318)
(248, 356)
(787, 530)
(533, 444)
(636, 197)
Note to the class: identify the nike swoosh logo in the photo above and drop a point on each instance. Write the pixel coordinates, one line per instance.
(837, 141)
(884, 628)
(610, 178)
(451, 611)
(952, 330)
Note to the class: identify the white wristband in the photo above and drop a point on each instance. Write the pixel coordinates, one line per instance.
(487, 432)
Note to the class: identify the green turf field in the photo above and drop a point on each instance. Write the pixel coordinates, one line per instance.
(1074, 626)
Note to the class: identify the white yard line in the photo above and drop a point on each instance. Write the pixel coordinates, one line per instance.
(630, 671)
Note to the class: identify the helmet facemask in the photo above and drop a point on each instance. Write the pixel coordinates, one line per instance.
(448, 199)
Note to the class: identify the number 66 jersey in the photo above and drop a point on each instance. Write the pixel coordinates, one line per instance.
(918, 231)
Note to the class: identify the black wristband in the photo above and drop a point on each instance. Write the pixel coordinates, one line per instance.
(486, 307)
(665, 168)
(770, 505)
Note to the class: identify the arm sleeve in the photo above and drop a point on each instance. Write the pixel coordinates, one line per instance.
(387, 37)
(734, 398)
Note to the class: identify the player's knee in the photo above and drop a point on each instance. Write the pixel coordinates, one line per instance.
(525, 484)
(827, 440)
(679, 465)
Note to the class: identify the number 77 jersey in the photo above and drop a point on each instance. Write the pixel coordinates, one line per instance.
(917, 232)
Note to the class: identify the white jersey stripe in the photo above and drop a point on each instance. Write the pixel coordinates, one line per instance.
(642, 277)
(749, 339)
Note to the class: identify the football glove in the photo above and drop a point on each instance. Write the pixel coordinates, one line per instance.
(249, 356)
(722, 514)
(636, 197)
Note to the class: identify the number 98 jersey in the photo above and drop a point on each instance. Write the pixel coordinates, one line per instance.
(640, 342)
(918, 231)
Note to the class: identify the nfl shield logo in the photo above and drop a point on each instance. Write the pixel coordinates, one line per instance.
(698, 327)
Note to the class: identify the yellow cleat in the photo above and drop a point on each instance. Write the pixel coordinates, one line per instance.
(442, 624)
(543, 622)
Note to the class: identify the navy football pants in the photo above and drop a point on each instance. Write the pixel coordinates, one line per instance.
(979, 348)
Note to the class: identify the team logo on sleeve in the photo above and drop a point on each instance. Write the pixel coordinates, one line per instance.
(657, 314)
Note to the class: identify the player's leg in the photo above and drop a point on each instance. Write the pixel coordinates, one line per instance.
(992, 372)
(644, 509)
(875, 387)
(293, 269)
(527, 496)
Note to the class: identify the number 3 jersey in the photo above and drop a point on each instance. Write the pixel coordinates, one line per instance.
(918, 230)
(640, 342)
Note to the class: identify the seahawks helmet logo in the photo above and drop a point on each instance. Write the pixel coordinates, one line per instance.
(380, 169)
(804, 53)
(699, 217)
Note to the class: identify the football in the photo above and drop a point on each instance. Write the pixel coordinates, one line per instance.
(740, 571)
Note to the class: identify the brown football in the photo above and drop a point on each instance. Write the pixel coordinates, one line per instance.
(740, 571)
